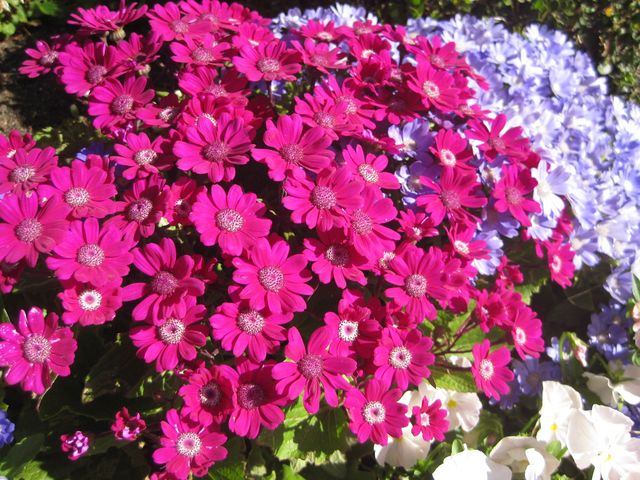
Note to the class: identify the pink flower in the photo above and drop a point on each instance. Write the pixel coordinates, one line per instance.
(526, 331)
(171, 279)
(188, 447)
(128, 427)
(30, 229)
(142, 156)
(44, 58)
(89, 305)
(268, 61)
(510, 193)
(325, 113)
(214, 149)
(325, 201)
(10, 274)
(204, 80)
(85, 67)
(115, 104)
(256, 402)
(172, 338)
(560, 260)
(24, 170)
(462, 244)
(237, 219)
(87, 191)
(489, 369)
(90, 254)
(370, 168)
(14, 142)
(101, 19)
(37, 348)
(430, 421)
(201, 50)
(75, 445)
(494, 143)
(354, 331)
(436, 87)
(367, 231)
(182, 195)
(138, 52)
(376, 413)
(208, 397)
(334, 258)
(321, 56)
(452, 150)
(273, 279)
(312, 368)
(168, 22)
(240, 328)
(293, 147)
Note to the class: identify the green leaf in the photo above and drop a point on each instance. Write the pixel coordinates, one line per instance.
(456, 380)
(232, 467)
(636, 288)
(556, 449)
(33, 471)
(20, 454)
(289, 474)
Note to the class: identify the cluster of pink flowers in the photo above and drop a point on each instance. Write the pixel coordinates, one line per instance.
(296, 200)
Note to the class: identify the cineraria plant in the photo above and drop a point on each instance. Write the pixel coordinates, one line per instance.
(236, 281)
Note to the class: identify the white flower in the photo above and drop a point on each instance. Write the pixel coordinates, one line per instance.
(525, 455)
(463, 409)
(602, 387)
(601, 437)
(558, 402)
(471, 465)
(628, 389)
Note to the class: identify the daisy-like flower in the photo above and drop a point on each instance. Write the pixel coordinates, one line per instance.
(24, 170)
(173, 337)
(141, 156)
(417, 276)
(353, 330)
(268, 61)
(273, 279)
(292, 147)
(490, 369)
(511, 193)
(208, 395)
(89, 305)
(30, 229)
(366, 225)
(188, 447)
(451, 149)
(203, 80)
(402, 357)
(201, 50)
(87, 191)
(312, 368)
(494, 142)
(138, 52)
(90, 254)
(85, 67)
(14, 142)
(214, 149)
(430, 420)
(182, 195)
(325, 201)
(169, 23)
(370, 168)
(526, 331)
(240, 328)
(45, 57)
(376, 413)
(231, 220)
(436, 87)
(560, 259)
(37, 348)
(101, 19)
(256, 402)
(321, 56)
(114, 104)
(171, 281)
(325, 113)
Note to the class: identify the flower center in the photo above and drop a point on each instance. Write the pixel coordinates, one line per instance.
(168, 114)
(513, 195)
(361, 222)
(172, 331)
(179, 26)
(461, 247)
(22, 174)
(145, 156)
(139, 210)
(122, 104)
(210, 394)
(202, 55)
(268, 65)
(352, 107)
(450, 199)
(415, 285)
(319, 59)
(251, 322)
(95, 74)
(36, 348)
(292, 153)
(250, 396)
(229, 220)
(310, 366)
(436, 61)
(556, 264)
(188, 444)
(368, 173)
(324, 119)
(400, 357)
(215, 152)
(164, 283)
(48, 58)
(520, 336)
(208, 117)
(448, 158)
(182, 209)
(430, 89)
(324, 36)
(90, 255)
(486, 369)
(271, 278)
(28, 230)
(374, 413)
(323, 197)
(90, 300)
(216, 90)
(425, 419)
(77, 197)
(338, 255)
(348, 331)
(496, 143)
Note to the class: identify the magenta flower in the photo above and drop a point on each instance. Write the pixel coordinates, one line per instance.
(273, 279)
(172, 338)
(24, 170)
(203, 80)
(510, 193)
(88, 305)
(325, 201)
(257, 404)
(325, 113)
(169, 23)
(321, 56)
(141, 156)
(128, 427)
(101, 19)
(526, 331)
(44, 58)
(370, 168)
(560, 260)
(490, 369)
(293, 147)
(75, 445)
(436, 87)
(37, 348)
(182, 195)
(85, 67)
(115, 104)
(201, 50)
(353, 330)
(312, 368)
(188, 447)
(214, 149)
(268, 61)
(92, 255)
(208, 395)
(402, 357)
(430, 420)
(171, 282)
(240, 328)
(494, 142)
(30, 229)
(376, 414)
(237, 219)
(451, 150)
(14, 142)
(417, 276)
